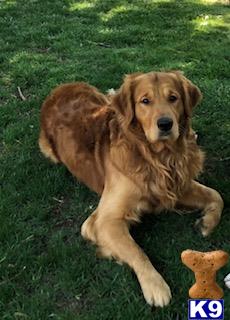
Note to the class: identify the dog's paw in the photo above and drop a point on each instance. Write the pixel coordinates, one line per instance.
(205, 225)
(156, 291)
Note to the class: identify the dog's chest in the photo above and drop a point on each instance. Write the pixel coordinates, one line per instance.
(166, 182)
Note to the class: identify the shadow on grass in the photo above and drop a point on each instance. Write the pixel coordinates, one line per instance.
(101, 39)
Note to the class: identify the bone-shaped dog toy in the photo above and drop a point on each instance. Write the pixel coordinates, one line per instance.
(205, 266)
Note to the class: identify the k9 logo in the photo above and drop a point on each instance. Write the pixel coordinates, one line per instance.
(205, 309)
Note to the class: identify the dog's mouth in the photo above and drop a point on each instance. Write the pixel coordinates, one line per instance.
(165, 135)
(169, 135)
(154, 136)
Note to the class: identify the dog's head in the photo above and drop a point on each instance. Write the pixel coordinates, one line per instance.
(160, 102)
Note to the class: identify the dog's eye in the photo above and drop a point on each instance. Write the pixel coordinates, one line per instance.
(145, 101)
(172, 98)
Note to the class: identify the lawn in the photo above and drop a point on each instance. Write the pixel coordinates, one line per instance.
(47, 271)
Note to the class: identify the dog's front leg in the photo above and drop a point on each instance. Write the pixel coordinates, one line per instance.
(207, 199)
(114, 239)
(108, 227)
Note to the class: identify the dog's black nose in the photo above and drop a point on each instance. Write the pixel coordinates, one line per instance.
(164, 124)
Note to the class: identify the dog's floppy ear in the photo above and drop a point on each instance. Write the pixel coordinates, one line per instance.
(123, 102)
(191, 96)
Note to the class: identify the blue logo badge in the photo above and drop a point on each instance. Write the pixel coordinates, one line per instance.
(199, 309)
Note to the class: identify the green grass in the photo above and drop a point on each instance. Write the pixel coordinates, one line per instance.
(47, 271)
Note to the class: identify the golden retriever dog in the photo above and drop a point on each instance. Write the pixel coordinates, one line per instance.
(138, 151)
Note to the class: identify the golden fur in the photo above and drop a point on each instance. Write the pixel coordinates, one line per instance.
(115, 146)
